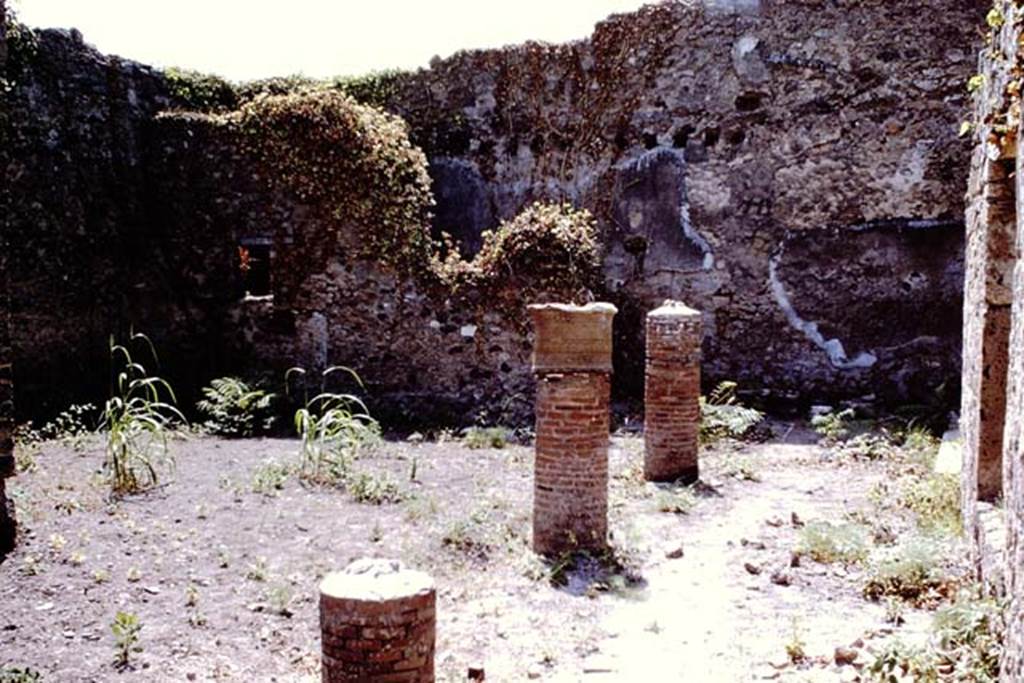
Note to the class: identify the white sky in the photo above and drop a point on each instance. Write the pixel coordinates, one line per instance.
(245, 39)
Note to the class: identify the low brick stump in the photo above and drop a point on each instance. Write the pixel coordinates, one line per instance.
(378, 624)
(672, 394)
(573, 361)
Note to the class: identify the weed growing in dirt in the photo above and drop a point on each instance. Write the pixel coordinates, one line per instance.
(739, 467)
(827, 543)
(191, 595)
(126, 628)
(137, 418)
(279, 599)
(722, 416)
(375, 489)
(677, 500)
(865, 447)
(935, 501)
(832, 426)
(333, 427)
(485, 437)
(795, 646)
(258, 571)
(912, 571)
(270, 477)
(71, 428)
(616, 570)
(17, 674)
(966, 644)
(234, 408)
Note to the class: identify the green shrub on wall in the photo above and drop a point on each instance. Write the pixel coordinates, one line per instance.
(201, 92)
(547, 250)
(325, 149)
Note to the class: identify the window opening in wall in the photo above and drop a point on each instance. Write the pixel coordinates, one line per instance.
(254, 256)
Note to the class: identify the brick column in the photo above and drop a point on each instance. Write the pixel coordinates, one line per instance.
(377, 623)
(573, 363)
(672, 394)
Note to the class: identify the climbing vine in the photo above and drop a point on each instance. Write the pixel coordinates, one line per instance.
(548, 250)
(324, 148)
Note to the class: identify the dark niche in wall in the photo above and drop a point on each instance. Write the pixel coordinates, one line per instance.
(463, 207)
(254, 263)
(651, 209)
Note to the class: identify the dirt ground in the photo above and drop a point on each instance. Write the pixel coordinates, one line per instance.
(223, 578)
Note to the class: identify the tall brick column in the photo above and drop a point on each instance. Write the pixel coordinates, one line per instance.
(672, 393)
(377, 624)
(573, 363)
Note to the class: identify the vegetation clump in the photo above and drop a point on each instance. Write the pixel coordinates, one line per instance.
(233, 408)
(912, 571)
(723, 416)
(548, 250)
(324, 148)
(137, 417)
(826, 542)
(485, 437)
(966, 644)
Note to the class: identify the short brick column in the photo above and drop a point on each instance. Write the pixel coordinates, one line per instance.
(377, 624)
(672, 394)
(573, 363)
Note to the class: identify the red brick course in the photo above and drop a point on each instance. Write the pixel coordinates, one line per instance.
(572, 361)
(672, 394)
(377, 623)
(570, 492)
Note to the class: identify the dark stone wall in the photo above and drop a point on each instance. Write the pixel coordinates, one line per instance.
(7, 521)
(790, 168)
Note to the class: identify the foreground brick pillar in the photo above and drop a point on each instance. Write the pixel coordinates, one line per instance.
(573, 363)
(377, 623)
(672, 394)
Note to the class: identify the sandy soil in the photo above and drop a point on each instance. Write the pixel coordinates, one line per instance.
(223, 578)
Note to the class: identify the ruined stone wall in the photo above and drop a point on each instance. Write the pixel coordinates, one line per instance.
(7, 467)
(790, 168)
(993, 400)
(83, 261)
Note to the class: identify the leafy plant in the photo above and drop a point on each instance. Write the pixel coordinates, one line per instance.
(270, 477)
(832, 426)
(233, 408)
(137, 418)
(966, 644)
(373, 488)
(126, 628)
(910, 571)
(333, 427)
(935, 501)
(795, 646)
(825, 542)
(15, 674)
(485, 437)
(722, 416)
(677, 500)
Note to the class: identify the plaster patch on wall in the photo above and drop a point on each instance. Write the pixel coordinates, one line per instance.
(643, 164)
(833, 348)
